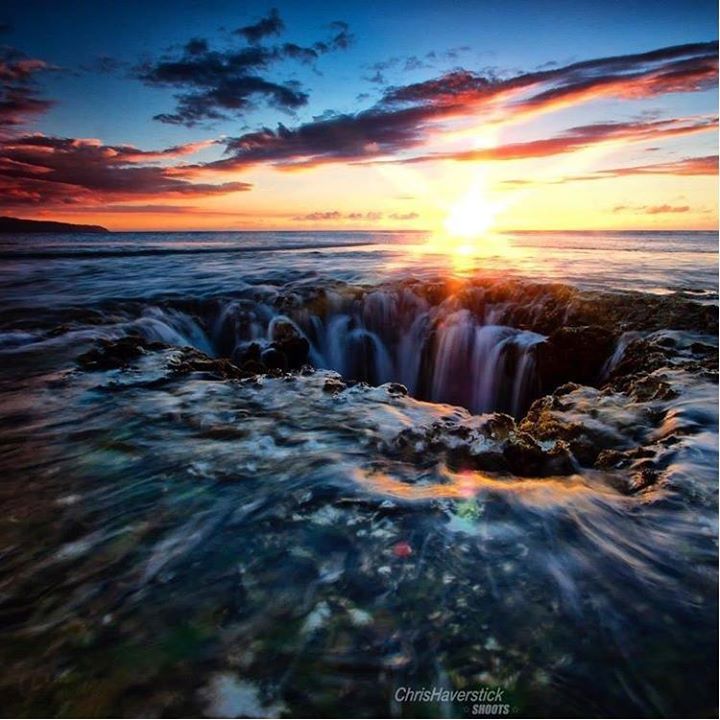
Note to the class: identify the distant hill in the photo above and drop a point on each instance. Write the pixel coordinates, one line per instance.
(18, 225)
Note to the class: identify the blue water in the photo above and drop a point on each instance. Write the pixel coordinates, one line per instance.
(177, 544)
(81, 269)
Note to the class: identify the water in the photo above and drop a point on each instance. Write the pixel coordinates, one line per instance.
(177, 544)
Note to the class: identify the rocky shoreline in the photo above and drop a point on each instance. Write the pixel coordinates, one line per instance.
(201, 518)
(629, 360)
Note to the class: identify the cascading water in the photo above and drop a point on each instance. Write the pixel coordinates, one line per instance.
(443, 353)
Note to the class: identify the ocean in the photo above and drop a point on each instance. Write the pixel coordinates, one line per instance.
(292, 472)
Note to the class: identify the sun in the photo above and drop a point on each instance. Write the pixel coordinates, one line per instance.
(471, 216)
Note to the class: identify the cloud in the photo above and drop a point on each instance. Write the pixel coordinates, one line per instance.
(40, 170)
(19, 99)
(705, 165)
(368, 216)
(340, 138)
(341, 38)
(408, 116)
(651, 209)
(104, 65)
(217, 84)
(577, 138)
(363, 137)
(681, 68)
(694, 166)
(410, 63)
(270, 25)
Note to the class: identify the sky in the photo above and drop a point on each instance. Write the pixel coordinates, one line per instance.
(463, 117)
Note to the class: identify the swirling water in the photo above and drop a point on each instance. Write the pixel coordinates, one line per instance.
(204, 546)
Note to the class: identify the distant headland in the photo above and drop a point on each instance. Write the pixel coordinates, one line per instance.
(11, 224)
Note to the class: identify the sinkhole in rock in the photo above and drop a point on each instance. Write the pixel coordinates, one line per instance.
(444, 352)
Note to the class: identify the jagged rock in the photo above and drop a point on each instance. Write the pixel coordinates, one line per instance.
(640, 477)
(191, 360)
(334, 385)
(111, 354)
(637, 374)
(526, 458)
(544, 422)
(493, 444)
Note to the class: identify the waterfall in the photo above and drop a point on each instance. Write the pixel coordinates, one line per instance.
(443, 352)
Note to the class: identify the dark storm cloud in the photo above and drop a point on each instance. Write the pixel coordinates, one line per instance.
(216, 84)
(42, 170)
(196, 46)
(341, 38)
(19, 93)
(407, 116)
(342, 137)
(270, 25)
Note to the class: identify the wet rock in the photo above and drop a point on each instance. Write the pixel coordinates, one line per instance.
(247, 354)
(334, 385)
(640, 358)
(638, 477)
(288, 350)
(493, 444)
(273, 358)
(526, 458)
(575, 354)
(295, 351)
(652, 387)
(546, 421)
(253, 367)
(189, 360)
(112, 354)
(638, 373)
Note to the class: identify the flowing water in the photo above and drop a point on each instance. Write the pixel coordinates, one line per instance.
(177, 543)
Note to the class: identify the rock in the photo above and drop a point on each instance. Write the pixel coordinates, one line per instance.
(283, 330)
(640, 477)
(191, 360)
(253, 367)
(493, 444)
(526, 458)
(545, 421)
(111, 354)
(295, 351)
(574, 354)
(273, 358)
(334, 385)
(246, 354)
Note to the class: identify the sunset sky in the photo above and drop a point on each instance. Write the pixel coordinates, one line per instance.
(360, 115)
